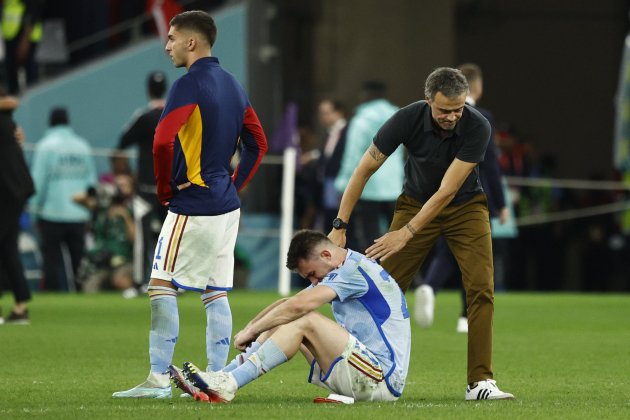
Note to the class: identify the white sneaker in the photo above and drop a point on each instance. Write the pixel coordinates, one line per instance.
(156, 386)
(130, 293)
(219, 386)
(462, 325)
(424, 306)
(487, 390)
(179, 380)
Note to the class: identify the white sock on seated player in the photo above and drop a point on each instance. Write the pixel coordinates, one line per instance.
(242, 357)
(267, 357)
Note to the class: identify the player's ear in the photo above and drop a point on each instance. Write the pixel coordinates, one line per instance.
(325, 253)
(192, 42)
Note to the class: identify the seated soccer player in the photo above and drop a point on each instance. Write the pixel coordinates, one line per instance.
(363, 355)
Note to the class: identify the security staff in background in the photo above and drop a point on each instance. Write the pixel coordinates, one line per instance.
(21, 32)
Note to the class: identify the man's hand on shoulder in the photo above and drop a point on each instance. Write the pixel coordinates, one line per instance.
(389, 244)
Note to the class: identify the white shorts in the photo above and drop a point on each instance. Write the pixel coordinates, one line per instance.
(197, 252)
(356, 373)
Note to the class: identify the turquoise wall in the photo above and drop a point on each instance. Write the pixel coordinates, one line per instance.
(102, 96)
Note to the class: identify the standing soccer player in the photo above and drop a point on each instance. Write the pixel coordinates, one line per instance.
(206, 118)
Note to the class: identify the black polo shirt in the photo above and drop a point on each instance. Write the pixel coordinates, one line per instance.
(428, 155)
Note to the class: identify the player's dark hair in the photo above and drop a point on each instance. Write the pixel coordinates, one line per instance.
(196, 21)
(302, 246)
(450, 82)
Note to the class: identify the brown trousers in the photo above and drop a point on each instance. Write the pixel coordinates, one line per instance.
(466, 228)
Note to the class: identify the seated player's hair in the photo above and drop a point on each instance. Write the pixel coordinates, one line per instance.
(302, 246)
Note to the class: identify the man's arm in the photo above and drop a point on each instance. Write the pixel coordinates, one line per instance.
(394, 241)
(163, 145)
(282, 312)
(254, 148)
(370, 162)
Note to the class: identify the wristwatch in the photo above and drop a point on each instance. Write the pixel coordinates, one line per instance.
(339, 224)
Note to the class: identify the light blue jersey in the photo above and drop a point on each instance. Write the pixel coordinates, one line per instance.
(371, 306)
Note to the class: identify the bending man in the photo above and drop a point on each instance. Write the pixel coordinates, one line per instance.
(445, 140)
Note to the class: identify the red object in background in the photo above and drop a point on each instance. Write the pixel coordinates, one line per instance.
(163, 11)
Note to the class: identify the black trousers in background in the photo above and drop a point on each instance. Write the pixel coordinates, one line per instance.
(11, 270)
(369, 221)
(12, 66)
(442, 267)
(53, 235)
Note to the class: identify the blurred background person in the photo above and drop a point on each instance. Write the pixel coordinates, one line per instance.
(147, 210)
(63, 166)
(332, 116)
(21, 32)
(372, 213)
(307, 191)
(16, 186)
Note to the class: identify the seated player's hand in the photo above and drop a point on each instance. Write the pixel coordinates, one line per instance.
(244, 338)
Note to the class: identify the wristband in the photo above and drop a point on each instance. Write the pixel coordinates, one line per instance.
(412, 230)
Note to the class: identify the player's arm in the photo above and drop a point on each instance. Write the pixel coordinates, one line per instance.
(372, 159)
(266, 311)
(286, 311)
(452, 181)
(179, 105)
(254, 148)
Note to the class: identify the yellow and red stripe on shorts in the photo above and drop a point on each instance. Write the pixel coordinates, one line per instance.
(364, 366)
(174, 242)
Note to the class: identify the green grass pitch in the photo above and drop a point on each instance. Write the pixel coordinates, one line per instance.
(562, 355)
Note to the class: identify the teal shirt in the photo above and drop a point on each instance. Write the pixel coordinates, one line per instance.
(386, 183)
(63, 166)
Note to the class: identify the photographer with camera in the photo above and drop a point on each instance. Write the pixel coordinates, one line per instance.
(108, 263)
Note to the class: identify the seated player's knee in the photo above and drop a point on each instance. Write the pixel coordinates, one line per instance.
(309, 322)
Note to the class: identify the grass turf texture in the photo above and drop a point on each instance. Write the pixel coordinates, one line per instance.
(562, 355)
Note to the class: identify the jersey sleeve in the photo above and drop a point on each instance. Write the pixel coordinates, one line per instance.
(254, 148)
(347, 281)
(180, 104)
